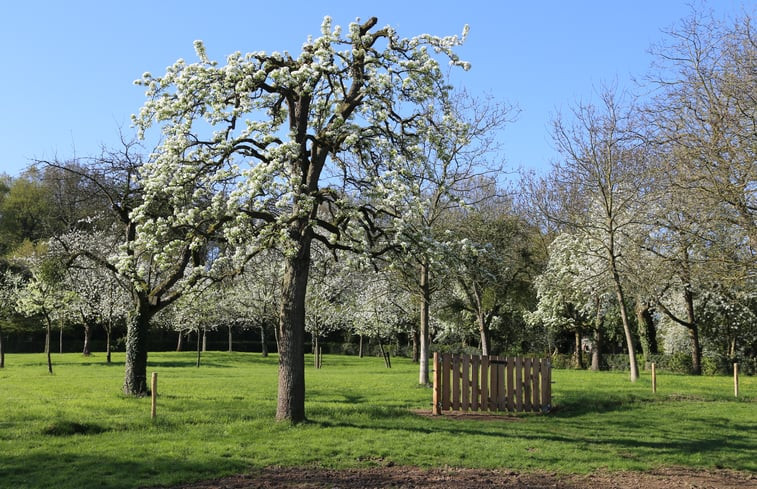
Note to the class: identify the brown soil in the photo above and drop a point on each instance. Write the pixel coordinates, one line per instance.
(413, 477)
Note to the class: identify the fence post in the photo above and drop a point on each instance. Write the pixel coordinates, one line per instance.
(736, 380)
(153, 394)
(654, 379)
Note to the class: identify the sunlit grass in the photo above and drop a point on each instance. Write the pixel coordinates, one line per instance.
(75, 429)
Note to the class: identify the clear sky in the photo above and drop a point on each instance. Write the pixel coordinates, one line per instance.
(68, 66)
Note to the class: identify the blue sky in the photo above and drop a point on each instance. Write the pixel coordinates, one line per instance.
(66, 85)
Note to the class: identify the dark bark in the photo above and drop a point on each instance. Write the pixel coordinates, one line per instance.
(596, 351)
(87, 334)
(578, 357)
(424, 336)
(263, 345)
(693, 326)
(48, 333)
(107, 342)
(291, 389)
(199, 336)
(137, 329)
(416, 341)
(647, 330)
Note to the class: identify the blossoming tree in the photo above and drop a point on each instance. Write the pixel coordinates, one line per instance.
(275, 151)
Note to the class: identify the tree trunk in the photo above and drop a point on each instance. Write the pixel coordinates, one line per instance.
(578, 357)
(107, 342)
(423, 374)
(647, 330)
(484, 333)
(263, 345)
(204, 340)
(696, 349)
(229, 338)
(85, 350)
(48, 333)
(360, 346)
(291, 389)
(596, 349)
(624, 317)
(60, 339)
(416, 340)
(199, 336)
(316, 352)
(179, 341)
(137, 329)
(2, 350)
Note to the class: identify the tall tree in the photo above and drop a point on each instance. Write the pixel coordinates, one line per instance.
(596, 190)
(275, 151)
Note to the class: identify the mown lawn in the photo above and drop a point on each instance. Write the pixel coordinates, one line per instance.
(74, 429)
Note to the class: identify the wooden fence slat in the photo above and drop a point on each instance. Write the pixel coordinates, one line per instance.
(475, 391)
(527, 383)
(485, 383)
(465, 394)
(456, 383)
(546, 385)
(502, 397)
(495, 383)
(435, 399)
(518, 384)
(510, 384)
(446, 360)
(536, 405)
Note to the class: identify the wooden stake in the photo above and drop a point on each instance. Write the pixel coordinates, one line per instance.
(736, 379)
(654, 379)
(153, 394)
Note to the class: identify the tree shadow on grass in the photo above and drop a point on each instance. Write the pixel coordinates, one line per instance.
(45, 470)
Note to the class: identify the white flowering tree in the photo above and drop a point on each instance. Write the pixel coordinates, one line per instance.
(573, 292)
(42, 296)
(327, 303)
(275, 151)
(100, 297)
(10, 282)
(380, 310)
(456, 158)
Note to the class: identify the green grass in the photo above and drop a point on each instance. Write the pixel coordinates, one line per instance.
(74, 429)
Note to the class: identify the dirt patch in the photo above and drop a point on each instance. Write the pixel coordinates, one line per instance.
(413, 477)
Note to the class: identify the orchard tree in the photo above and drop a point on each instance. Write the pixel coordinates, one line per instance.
(42, 296)
(495, 263)
(100, 298)
(705, 113)
(456, 155)
(598, 188)
(379, 310)
(11, 280)
(276, 151)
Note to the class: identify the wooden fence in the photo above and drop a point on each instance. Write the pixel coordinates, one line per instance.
(477, 383)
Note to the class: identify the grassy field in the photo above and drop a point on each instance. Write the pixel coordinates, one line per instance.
(74, 429)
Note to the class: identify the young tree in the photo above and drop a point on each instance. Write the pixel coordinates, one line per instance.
(275, 151)
(597, 190)
(43, 295)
